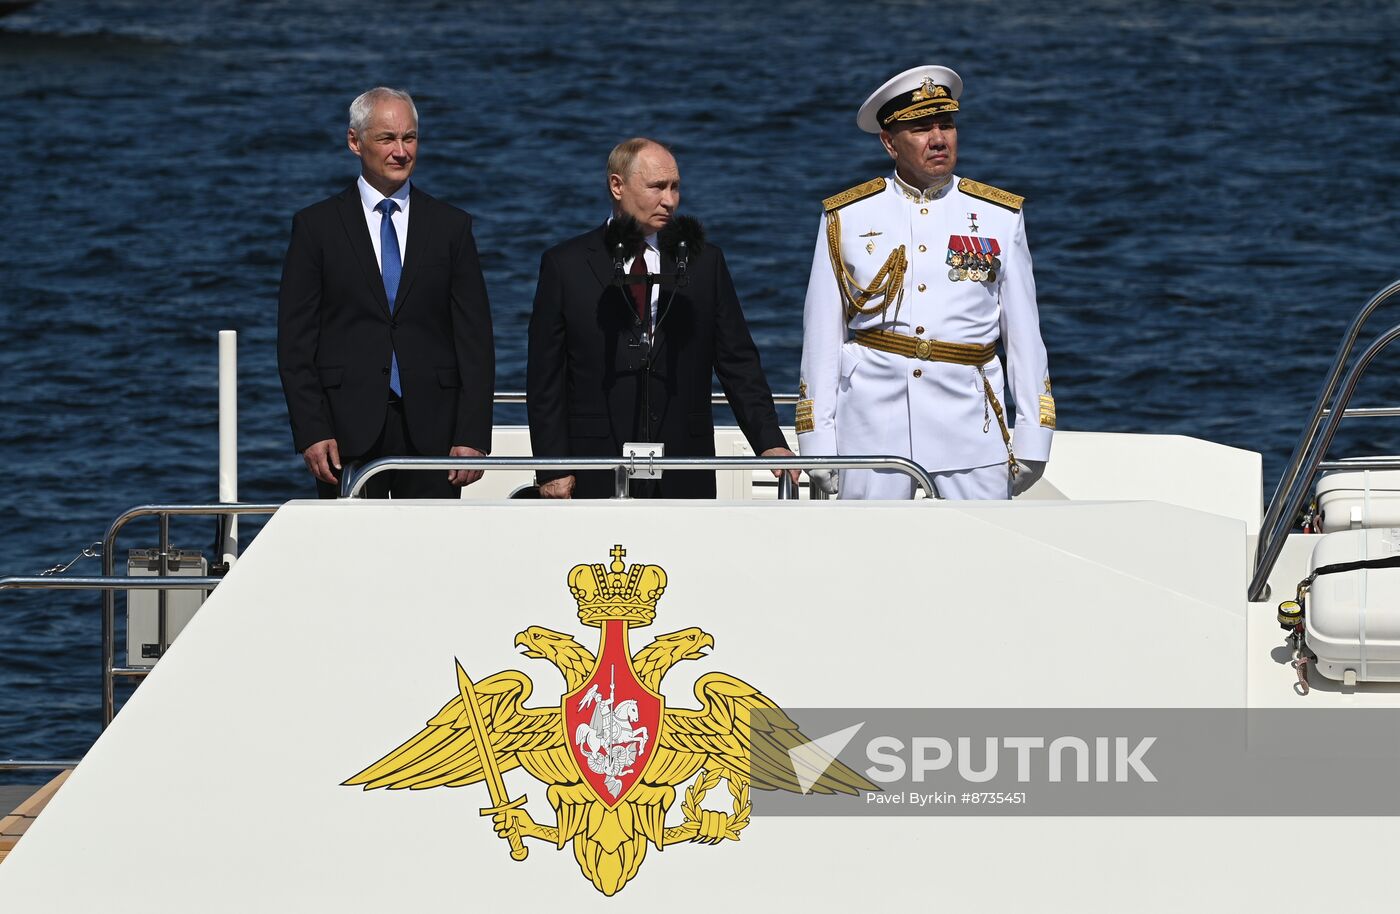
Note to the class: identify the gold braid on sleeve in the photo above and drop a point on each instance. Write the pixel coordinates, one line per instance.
(888, 284)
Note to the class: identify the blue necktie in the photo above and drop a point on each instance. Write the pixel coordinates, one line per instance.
(391, 268)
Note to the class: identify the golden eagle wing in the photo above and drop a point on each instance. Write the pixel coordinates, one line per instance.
(743, 730)
(444, 753)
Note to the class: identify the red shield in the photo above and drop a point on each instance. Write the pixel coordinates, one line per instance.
(612, 721)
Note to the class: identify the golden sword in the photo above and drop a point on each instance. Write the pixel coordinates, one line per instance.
(490, 769)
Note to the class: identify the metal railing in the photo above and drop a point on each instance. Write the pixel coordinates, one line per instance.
(353, 478)
(110, 583)
(716, 399)
(40, 764)
(1361, 463)
(1327, 414)
(109, 598)
(116, 582)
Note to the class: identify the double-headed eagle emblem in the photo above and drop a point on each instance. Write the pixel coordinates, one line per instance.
(611, 752)
(928, 90)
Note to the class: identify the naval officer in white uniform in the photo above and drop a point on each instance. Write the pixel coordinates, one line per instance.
(916, 280)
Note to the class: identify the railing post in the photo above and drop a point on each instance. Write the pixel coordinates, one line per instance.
(228, 445)
(162, 601)
(349, 473)
(109, 625)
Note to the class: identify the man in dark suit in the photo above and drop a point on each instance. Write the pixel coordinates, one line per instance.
(591, 389)
(383, 327)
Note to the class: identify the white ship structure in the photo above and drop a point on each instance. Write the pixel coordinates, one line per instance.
(496, 703)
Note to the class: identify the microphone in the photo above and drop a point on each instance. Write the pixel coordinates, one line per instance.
(682, 262)
(682, 238)
(622, 236)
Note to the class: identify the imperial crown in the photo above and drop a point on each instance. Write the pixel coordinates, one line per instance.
(617, 592)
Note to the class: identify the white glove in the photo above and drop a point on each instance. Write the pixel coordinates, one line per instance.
(827, 481)
(1028, 474)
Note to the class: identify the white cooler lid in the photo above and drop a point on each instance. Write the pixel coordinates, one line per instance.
(1345, 480)
(1355, 546)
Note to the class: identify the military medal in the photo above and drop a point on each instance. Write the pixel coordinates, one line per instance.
(955, 258)
(973, 257)
(972, 223)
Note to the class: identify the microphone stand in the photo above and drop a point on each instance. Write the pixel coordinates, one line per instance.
(622, 280)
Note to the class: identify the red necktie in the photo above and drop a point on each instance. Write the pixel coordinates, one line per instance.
(641, 291)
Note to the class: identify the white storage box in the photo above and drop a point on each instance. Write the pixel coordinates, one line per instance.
(143, 606)
(1353, 617)
(1352, 499)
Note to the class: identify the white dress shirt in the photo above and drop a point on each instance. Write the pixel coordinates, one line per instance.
(369, 199)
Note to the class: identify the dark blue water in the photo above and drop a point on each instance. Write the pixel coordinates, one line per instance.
(1212, 192)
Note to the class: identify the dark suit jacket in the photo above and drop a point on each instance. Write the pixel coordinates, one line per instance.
(335, 333)
(585, 376)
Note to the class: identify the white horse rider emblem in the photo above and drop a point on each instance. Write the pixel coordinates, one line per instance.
(609, 743)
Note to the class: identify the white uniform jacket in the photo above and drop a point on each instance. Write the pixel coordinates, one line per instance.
(864, 401)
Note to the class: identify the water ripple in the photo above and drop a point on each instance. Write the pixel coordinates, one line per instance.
(1211, 194)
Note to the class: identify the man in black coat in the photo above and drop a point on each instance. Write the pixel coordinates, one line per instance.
(383, 327)
(610, 365)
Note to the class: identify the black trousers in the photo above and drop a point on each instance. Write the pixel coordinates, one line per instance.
(394, 441)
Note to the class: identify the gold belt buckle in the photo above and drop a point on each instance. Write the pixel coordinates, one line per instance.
(922, 349)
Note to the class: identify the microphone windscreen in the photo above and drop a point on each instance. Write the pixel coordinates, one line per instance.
(685, 229)
(623, 234)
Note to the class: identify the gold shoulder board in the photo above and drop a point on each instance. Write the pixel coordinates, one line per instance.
(859, 192)
(991, 194)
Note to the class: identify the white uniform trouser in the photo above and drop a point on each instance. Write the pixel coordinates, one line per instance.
(992, 481)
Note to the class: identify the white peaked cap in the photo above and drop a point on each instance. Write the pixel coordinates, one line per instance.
(916, 93)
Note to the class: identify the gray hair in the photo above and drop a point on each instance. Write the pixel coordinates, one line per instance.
(362, 108)
(623, 159)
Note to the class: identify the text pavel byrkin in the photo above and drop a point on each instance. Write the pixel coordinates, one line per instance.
(1101, 759)
(947, 798)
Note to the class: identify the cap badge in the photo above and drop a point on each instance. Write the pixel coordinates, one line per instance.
(928, 90)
